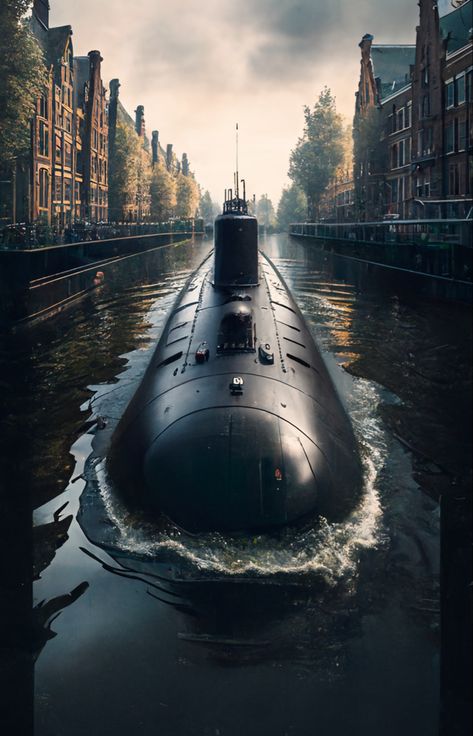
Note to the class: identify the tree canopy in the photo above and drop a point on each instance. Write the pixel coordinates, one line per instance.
(319, 152)
(187, 196)
(129, 171)
(23, 77)
(265, 212)
(292, 206)
(206, 207)
(163, 193)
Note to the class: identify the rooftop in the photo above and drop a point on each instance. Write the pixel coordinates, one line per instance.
(391, 66)
(456, 27)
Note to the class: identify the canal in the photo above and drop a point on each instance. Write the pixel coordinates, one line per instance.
(327, 629)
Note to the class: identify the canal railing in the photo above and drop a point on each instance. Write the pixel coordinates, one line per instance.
(39, 281)
(39, 235)
(441, 248)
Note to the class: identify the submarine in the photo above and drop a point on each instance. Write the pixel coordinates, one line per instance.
(236, 425)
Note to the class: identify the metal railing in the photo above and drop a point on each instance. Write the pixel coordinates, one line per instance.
(21, 235)
(438, 247)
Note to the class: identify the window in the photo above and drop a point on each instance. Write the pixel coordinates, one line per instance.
(67, 190)
(424, 142)
(409, 115)
(460, 84)
(43, 189)
(462, 135)
(58, 151)
(401, 153)
(423, 186)
(425, 76)
(449, 93)
(400, 119)
(407, 150)
(236, 332)
(43, 135)
(450, 138)
(67, 155)
(57, 190)
(43, 107)
(68, 121)
(77, 191)
(469, 86)
(453, 179)
(426, 106)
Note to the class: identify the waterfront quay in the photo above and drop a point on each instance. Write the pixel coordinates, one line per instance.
(38, 282)
(435, 256)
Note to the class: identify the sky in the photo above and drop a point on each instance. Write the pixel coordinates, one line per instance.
(201, 66)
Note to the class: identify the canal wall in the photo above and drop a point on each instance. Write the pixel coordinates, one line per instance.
(440, 272)
(37, 283)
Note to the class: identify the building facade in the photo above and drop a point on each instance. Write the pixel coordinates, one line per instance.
(92, 124)
(413, 121)
(65, 179)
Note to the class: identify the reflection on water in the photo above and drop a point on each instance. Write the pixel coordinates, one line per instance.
(327, 624)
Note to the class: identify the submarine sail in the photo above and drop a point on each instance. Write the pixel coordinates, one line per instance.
(236, 424)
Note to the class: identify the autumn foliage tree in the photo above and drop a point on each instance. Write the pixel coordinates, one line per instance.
(163, 193)
(319, 152)
(187, 196)
(130, 173)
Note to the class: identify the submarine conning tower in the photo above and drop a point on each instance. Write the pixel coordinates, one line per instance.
(236, 244)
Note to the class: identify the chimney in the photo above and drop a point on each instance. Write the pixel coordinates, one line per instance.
(41, 12)
(169, 156)
(185, 164)
(112, 117)
(114, 87)
(140, 121)
(155, 146)
(95, 59)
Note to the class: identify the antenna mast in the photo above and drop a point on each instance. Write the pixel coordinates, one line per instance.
(237, 193)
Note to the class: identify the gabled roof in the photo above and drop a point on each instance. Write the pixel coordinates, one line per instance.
(391, 66)
(456, 27)
(56, 43)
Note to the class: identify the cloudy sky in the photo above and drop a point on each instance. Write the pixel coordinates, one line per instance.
(199, 66)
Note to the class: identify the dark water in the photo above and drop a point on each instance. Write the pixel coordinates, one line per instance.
(326, 630)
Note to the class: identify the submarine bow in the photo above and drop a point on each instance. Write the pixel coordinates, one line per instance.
(236, 424)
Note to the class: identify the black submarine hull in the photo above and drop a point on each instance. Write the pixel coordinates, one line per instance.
(236, 424)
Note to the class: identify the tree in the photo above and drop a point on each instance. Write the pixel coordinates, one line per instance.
(265, 212)
(23, 76)
(206, 207)
(319, 152)
(163, 193)
(292, 207)
(187, 196)
(124, 172)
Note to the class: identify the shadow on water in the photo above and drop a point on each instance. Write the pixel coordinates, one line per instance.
(328, 628)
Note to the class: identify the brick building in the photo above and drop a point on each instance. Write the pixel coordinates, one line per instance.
(413, 121)
(382, 128)
(66, 176)
(92, 140)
